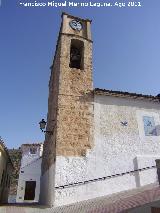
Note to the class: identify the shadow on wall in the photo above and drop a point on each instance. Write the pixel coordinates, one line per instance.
(155, 131)
(136, 174)
(158, 130)
(109, 100)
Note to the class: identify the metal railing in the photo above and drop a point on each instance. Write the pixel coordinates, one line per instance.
(102, 178)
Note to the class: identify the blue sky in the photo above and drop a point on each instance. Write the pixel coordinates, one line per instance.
(126, 57)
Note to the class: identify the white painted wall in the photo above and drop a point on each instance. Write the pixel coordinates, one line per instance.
(117, 149)
(31, 168)
(47, 195)
(102, 188)
(12, 198)
(27, 157)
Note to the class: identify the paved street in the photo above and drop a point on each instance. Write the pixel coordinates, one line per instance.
(118, 202)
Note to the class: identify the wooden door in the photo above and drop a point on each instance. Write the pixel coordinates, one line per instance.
(30, 190)
(155, 210)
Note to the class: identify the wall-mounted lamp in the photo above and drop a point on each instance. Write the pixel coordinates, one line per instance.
(42, 125)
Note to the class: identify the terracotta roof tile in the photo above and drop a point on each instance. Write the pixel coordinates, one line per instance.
(32, 144)
(99, 91)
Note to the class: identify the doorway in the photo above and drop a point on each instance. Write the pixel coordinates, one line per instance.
(30, 190)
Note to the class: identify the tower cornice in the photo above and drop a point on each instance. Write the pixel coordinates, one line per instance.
(75, 17)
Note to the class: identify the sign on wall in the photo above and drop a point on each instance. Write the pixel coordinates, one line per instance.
(149, 126)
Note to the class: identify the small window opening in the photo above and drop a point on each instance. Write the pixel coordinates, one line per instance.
(76, 54)
(33, 150)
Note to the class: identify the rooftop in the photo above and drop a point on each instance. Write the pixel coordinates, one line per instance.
(122, 94)
(32, 144)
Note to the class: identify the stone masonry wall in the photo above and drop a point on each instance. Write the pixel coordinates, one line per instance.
(70, 108)
(49, 144)
(15, 155)
(75, 103)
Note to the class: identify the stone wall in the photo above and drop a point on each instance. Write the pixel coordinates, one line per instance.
(50, 140)
(75, 104)
(15, 155)
(70, 106)
(49, 148)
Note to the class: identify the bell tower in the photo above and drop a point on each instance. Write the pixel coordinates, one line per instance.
(70, 106)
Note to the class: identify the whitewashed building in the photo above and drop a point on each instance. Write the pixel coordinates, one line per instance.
(30, 172)
(102, 141)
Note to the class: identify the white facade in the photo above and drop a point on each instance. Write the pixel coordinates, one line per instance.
(30, 171)
(120, 148)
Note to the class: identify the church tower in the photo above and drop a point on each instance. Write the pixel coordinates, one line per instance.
(70, 109)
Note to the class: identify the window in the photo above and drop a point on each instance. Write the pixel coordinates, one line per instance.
(76, 54)
(33, 150)
(149, 126)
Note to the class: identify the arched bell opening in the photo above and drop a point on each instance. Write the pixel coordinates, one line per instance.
(77, 54)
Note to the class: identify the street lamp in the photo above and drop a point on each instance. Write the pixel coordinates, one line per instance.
(42, 125)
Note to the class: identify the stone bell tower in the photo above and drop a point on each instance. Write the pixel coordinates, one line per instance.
(70, 107)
